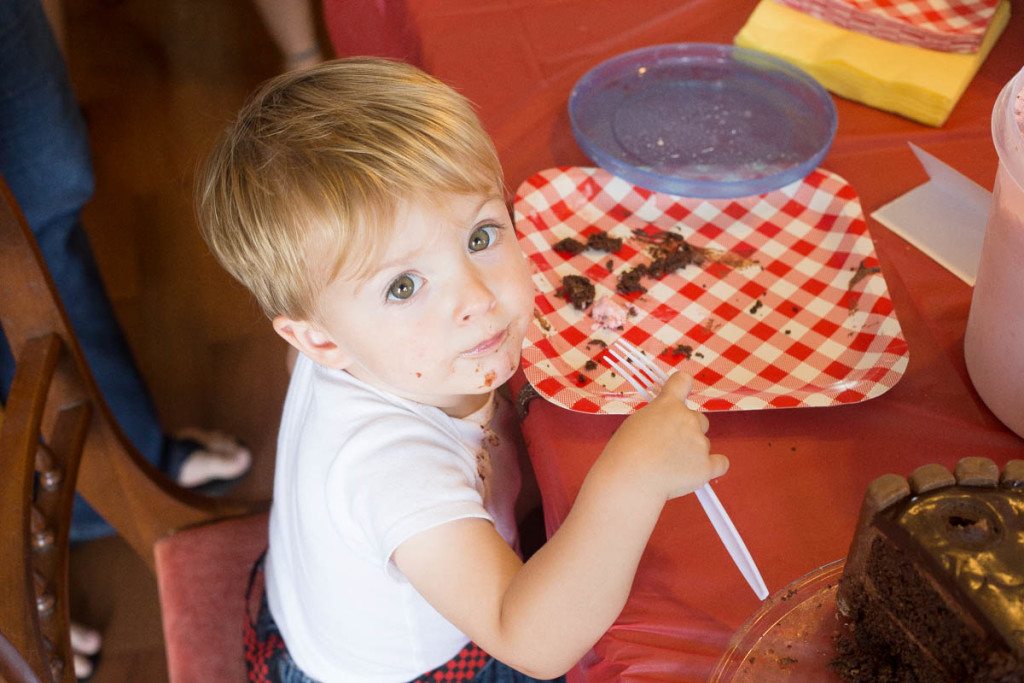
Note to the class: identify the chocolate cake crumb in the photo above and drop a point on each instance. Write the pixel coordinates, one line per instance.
(629, 280)
(599, 343)
(756, 307)
(541, 320)
(577, 290)
(601, 241)
(610, 265)
(669, 252)
(681, 350)
(581, 379)
(568, 246)
(590, 365)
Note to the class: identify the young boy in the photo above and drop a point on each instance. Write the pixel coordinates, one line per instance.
(363, 205)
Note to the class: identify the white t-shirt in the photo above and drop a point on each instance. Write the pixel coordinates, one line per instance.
(358, 472)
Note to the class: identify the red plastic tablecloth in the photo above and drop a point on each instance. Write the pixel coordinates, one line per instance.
(797, 475)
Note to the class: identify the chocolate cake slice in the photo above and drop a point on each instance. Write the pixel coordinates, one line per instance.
(933, 588)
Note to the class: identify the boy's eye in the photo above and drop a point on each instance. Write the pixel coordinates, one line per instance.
(403, 287)
(482, 237)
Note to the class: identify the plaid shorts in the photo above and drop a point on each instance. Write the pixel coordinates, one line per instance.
(267, 659)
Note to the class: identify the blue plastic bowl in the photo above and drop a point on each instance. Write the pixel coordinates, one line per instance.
(702, 120)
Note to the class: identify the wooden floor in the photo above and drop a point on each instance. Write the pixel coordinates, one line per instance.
(157, 81)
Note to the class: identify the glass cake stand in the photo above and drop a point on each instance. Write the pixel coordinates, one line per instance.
(790, 638)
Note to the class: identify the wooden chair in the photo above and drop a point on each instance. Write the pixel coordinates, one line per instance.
(57, 433)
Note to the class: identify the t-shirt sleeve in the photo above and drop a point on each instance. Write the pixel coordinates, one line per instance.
(396, 477)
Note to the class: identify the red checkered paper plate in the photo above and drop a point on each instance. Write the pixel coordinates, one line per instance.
(947, 25)
(787, 310)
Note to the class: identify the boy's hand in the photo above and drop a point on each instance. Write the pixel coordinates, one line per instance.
(543, 616)
(663, 445)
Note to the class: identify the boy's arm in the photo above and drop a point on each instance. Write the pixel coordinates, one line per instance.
(543, 616)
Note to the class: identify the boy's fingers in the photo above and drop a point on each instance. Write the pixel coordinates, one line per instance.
(677, 386)
(719, 465)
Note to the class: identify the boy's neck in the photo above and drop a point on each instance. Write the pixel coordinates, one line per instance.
(461, 406)
(467, 405)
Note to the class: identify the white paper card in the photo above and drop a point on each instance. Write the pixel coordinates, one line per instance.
(945, 217)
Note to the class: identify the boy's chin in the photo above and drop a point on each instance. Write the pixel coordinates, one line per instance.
(505, 372)
(495, 376)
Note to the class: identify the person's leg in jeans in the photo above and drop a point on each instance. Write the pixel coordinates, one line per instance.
(44, 157)
(45, 160)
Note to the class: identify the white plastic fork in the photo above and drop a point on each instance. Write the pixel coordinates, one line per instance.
(646, 377)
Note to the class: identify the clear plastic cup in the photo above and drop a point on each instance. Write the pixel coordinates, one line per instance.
(994, 343)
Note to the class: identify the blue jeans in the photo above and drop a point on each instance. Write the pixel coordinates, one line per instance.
(45, 160)
(497, 672)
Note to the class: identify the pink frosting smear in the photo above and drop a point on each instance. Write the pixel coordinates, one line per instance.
(607, 314)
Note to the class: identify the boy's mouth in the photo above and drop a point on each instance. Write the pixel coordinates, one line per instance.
(487, 345)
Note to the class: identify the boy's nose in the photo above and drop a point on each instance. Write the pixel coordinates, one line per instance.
(475, 297)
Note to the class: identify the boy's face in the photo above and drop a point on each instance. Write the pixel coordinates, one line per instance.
(441, 319)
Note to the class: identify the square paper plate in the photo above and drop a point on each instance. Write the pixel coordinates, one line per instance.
(947, 25)
(788, 310)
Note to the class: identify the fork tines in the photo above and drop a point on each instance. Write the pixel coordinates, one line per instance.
(634, 365)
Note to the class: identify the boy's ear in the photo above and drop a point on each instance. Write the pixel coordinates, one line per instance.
(312, 342)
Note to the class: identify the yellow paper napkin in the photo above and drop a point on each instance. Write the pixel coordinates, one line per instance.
(923, 85)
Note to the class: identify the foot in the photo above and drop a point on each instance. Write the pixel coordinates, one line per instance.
(219, 457)
(85, 644)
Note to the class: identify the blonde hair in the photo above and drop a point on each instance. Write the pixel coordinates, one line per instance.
(306, 182)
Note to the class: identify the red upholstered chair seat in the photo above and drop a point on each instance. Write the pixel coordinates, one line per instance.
(202, 574)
